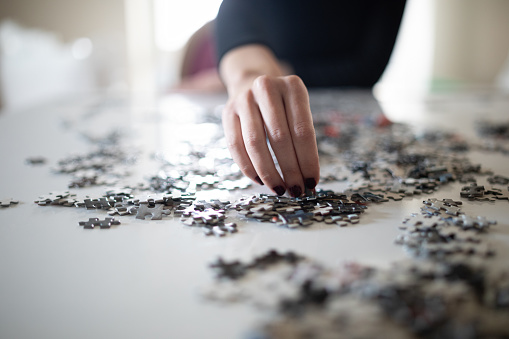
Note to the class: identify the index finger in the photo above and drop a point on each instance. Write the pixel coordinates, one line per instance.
(300, 122)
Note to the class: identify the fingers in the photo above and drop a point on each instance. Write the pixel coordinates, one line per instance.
(296, 101)
(237, 148)
(277, 109)
(254, 138)
(269, 97)
(235, 143)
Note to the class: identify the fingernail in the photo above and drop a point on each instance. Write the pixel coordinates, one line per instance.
(258, 180)
(280, 190)
(296, 191)
(310, 183)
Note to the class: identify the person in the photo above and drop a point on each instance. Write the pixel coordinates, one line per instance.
(269, 52)
(198, 72)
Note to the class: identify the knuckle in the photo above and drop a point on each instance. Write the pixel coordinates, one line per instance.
(253, 141)
(294, 82)
(279, 136)
(264, 83)
(304, 130)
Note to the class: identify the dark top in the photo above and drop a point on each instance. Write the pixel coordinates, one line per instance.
(327, 42)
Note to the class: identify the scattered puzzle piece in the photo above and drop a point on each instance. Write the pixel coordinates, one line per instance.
(8, 202)
(438, 206)
(64, 198)
(156, 212)
(478, 223)
(96, 222)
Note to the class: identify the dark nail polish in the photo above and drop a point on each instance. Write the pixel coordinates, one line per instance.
(280, 190)
(296, 191)
(310, 183)
(258, 180)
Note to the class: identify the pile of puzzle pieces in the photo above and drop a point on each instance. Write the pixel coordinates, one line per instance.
(428, 296)
(391, 164)
(442, 229)
(449, 296)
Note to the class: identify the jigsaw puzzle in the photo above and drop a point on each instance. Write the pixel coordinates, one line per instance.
(427, 297)
(96, 222)
(8, 202)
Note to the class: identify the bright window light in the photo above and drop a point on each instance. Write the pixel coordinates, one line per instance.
(176, 20)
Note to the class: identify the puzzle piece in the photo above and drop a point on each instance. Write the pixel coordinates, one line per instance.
(119, 191)
(229, 270)
(8, 202)
(453, 233)
(83, 182)
(342, 220)
(438, 206)
(478, 223)
(348, 208)
(498, 180)
(67, 202)
(450, 202)
(480, 249)
(231, 227)
(473, 191)
(322, 210)
(262, 207)
(100, 203)
(368, 197)
(34, 161)
(64, 198)
(156, 212)
(122, 208)
(213, 204)
(288, 209)
(150, 199)
(96, 222)
(184, 211)
(498, 193)
(208, 216)
(423, 222)
(218, 231)
(398, 187)
(393, 196)
(295, 219)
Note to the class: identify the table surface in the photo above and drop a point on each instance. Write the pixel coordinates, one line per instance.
(143, 278)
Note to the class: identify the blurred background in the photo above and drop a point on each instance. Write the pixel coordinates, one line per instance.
(50, 49)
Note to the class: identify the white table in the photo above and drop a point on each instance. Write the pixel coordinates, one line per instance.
(142, 279)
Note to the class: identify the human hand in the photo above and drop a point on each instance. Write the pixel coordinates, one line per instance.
(277, 108)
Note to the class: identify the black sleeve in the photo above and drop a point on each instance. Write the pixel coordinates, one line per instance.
(236, 26)
(365, 65)
(328, 43)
